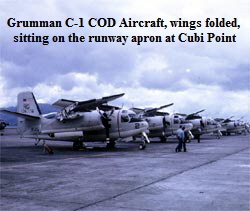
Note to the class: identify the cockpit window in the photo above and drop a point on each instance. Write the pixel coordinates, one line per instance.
(132, 115)
(129, 116)
(209, 122)
(124, 117)
(176, 121)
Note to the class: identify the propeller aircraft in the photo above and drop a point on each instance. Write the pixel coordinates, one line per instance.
(78, 121)
(232, 126)
(162, 124)
(202, 125)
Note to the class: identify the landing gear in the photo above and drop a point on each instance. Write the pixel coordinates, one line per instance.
(163, 139)
(198, 138)
(37, 142)
(219, 134)
(142, 146)
(144, 139)
(224, 133)
(110, 145)
(77, 145)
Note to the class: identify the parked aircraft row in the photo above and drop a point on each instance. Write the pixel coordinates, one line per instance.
(95, 120)
(230, 125)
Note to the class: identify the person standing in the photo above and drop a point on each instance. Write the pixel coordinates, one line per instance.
(198, 136)
(180, 137)
(186, 138)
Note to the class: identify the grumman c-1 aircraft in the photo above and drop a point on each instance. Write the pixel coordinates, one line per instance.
(162, 124)
(232, 126)
(78, 121)
(202, 125)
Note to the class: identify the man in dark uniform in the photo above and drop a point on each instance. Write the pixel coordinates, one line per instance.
(186, 138)
(199, 135)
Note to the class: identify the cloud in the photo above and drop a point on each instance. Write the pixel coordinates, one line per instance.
(82, 86)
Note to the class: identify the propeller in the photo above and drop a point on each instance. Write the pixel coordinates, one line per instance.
(227, 120)
(192, 115)
(152, 110)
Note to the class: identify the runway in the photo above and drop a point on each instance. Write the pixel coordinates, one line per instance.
(212, 175)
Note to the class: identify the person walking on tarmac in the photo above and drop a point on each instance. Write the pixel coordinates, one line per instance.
(180, 137)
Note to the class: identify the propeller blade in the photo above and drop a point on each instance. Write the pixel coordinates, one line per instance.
(198, 112)
(165, 106)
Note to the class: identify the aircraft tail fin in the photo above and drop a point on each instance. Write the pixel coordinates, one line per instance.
(26, 104)
(28, 113)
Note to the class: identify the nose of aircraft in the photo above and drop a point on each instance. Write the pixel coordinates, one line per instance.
(189, 126)
(218, 125)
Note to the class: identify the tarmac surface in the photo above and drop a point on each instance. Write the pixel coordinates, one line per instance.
(212, 175)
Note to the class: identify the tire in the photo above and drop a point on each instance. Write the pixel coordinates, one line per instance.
(76, 146)
(110, 145)
(163, 139)
(142, 146)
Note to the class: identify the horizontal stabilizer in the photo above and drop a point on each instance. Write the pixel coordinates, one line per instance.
(21, 115)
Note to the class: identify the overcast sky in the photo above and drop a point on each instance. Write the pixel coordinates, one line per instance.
(201, 75)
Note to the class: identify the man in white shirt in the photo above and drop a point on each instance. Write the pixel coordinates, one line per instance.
(180, 137)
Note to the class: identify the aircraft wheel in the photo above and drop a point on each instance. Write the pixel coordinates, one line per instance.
(2, 126)
(142, 146)
(77, 145)
(110, 145)
(163, 139)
